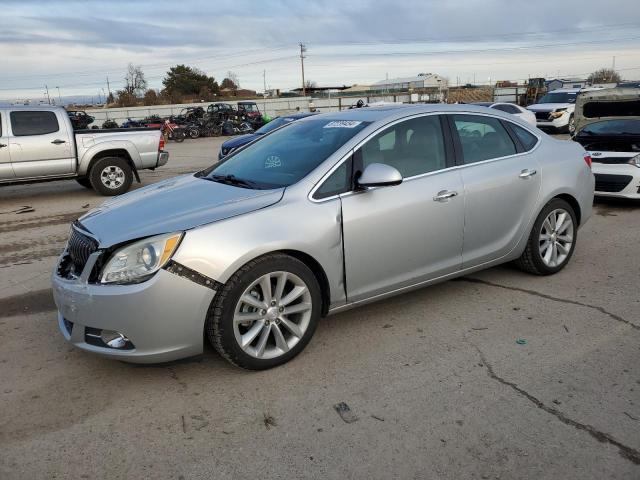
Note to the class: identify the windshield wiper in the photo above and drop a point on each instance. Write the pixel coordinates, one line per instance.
(230, 179)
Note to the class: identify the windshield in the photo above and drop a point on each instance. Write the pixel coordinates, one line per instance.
(273, 124)
(559, 97)
(613, 127)
(248, 107)
(285, 156)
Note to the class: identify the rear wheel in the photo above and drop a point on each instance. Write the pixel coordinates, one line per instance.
(266, 313)
(552, 239)
(571, 126)
(111, 176)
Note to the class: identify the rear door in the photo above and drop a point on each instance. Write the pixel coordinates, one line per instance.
(399, 236)
(501, 182)
(6, 172)
(40, 144)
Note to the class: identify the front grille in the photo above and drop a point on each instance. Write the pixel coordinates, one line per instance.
(542, 115)
(611, 183)
(610, 160)
(79, 248)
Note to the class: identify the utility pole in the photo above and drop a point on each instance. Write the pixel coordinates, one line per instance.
(613, 67)
(59, 97)
(48, 97)
(264, 80)
(108, 88)
(303, 49)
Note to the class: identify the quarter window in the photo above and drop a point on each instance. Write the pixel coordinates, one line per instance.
(527, 139)
(413, 147)
(482, 138)
(33, 123)
(338, 182)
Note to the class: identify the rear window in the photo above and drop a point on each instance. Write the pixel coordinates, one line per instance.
(33, 123)
(613, 127)
(630, 108)
(527, 139)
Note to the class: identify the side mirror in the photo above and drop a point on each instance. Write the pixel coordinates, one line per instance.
(379, 175)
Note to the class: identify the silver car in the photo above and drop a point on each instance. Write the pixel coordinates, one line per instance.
(332, 212)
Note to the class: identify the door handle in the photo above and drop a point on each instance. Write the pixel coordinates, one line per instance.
(526, 173)
(2, 145)
(58, 142)
(444, 196)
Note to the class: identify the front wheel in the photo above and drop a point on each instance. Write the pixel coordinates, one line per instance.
(571, 126)
(552, 240)
(266, 313)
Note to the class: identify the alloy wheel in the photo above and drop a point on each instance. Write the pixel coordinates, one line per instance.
(272, 315)
(556, 238)
(112, 177)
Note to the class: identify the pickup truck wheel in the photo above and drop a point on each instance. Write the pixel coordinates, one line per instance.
(85, 182)
(111, 176)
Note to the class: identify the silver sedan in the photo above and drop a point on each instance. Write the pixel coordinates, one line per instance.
(332, 212)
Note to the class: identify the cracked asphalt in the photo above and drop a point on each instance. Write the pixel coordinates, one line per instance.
(435, 379)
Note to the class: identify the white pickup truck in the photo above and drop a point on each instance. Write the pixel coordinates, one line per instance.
(39, 143)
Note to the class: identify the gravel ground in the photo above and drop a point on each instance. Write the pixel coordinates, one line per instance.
(435, 379)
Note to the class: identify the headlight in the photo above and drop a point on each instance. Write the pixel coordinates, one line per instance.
(557, 113)
(635, 161)
(134, 263)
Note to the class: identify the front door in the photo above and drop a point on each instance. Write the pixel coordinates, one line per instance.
(402, 235)
(40, 144)
(501, 183)
(6, 172)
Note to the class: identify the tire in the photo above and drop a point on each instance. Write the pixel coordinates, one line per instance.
(194, 133)
(571, 126)
(225, 333)
(537, 259)
(178, 135)
(111, 176)
(85, 182)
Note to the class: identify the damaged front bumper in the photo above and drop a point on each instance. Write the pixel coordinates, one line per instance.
(158, 320)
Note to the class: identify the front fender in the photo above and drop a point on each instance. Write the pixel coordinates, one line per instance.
(219, 249)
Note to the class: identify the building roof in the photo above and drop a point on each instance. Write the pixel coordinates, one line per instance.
(417, 78)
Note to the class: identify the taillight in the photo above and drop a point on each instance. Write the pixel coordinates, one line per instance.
(587, 159)
(161, 144)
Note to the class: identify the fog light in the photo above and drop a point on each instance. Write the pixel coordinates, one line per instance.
(115, 339)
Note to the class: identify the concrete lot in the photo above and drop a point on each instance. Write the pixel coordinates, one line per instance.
(439, 385)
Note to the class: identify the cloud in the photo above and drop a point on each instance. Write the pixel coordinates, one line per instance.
(59, 39)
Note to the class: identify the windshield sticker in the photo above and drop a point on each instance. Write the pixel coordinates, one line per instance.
(342, 124)
(272, 161)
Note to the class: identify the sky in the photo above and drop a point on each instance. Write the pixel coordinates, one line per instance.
(73, 46)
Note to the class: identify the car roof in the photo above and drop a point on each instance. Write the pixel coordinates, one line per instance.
(402, 110)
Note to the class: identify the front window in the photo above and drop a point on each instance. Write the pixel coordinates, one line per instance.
(286, 156)
(613, 127)
(559, 97)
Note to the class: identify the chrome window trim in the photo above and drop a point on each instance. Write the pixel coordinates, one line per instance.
(415, 177)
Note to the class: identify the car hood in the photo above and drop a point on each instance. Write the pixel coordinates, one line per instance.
(547, 107)
(239, 141)
(175, 204)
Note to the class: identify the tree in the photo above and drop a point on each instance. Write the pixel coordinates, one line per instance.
(111, 98)
(126, 99)
(227, 83)
(604, 75)
(135, 83)
(150, 97)
(182, 80)
(310, 84)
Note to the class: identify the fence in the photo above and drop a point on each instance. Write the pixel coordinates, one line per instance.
(283, 106)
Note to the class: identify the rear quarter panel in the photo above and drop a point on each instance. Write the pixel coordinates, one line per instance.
(142, 147)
